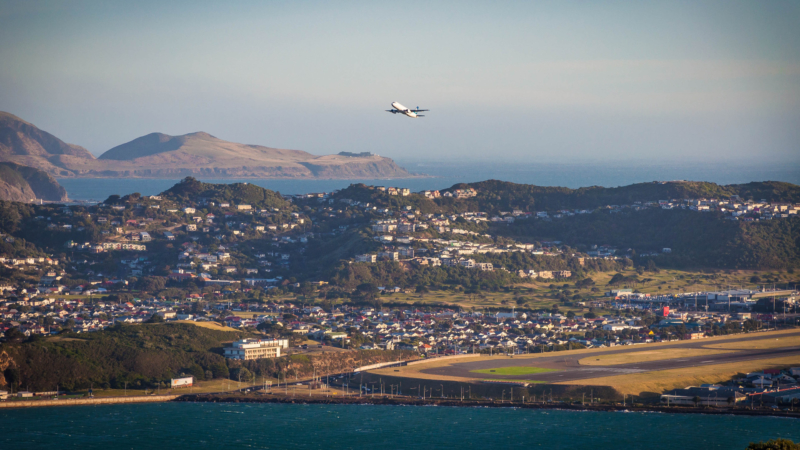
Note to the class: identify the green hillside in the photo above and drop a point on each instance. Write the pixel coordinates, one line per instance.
(142, 355)
(192, 190)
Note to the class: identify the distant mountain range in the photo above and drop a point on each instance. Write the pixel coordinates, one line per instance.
(159, 155)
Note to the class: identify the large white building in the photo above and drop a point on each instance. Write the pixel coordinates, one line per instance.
(247, 349)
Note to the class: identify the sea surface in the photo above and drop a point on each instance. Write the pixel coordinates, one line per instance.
(219, 426)
(446, 174)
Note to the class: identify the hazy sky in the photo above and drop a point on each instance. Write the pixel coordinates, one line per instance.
(532, 81)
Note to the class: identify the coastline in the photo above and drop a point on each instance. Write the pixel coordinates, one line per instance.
(409, 401)
(88, 401)
(397, 401)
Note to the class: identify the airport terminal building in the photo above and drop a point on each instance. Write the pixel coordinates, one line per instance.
(247, 349)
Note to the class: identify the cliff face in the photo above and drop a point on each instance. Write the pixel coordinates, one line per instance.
(159, 155)
(26, 184)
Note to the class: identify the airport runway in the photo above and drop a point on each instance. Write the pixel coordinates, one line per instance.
(569, 369)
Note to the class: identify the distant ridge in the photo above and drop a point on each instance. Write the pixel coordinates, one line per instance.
(159, 148)
(147, 145)
(357, 155)
(159, 155)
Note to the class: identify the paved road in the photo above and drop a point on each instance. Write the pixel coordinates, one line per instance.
(569, 369)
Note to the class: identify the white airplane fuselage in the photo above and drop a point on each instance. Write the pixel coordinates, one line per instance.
(403, 110)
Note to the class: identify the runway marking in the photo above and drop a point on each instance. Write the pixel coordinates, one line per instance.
(611, 369)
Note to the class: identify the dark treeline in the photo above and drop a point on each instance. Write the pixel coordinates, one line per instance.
(696, 239)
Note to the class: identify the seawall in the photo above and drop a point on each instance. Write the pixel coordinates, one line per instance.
(412, 401)
(88, 401)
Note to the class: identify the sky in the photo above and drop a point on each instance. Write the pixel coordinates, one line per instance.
(562, 81)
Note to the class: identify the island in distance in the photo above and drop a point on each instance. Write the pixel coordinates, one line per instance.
(158, 155)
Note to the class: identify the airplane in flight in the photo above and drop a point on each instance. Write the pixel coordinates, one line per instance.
(398, 108)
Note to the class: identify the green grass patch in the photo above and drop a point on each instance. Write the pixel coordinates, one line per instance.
(299, 358)
(514, 370)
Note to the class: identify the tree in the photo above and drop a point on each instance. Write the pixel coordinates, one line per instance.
(198, 307)
(241, 373)
(220, 370)
(155, 318)
(197, 372)
(306, 289)
(151, 284)
(12, 376)
(112, 200)
(270, 328)
(367, 290)
(14, 335)
(616, 279)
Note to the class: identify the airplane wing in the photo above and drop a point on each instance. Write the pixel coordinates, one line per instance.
(393, 111)
(419, 110)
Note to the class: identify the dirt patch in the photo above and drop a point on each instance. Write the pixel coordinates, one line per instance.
(209, 325)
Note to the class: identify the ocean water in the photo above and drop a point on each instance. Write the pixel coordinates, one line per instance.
(333, 427)
(445, 174)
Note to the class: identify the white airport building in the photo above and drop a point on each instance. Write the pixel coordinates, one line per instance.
(247, 349)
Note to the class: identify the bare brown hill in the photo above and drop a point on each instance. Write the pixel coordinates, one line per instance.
(23, 143)
(25, 184)
(194, 154)
(202, 154)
